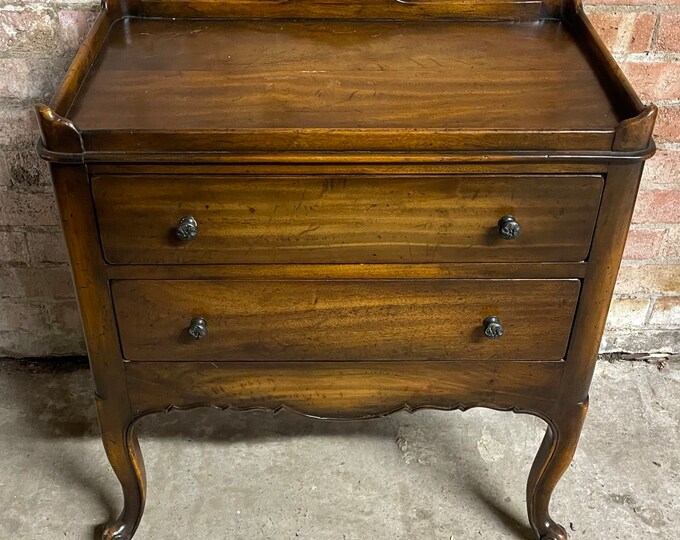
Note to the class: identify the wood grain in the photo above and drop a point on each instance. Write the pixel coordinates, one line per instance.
(157, 145)
(552, 461)
(341, 74)
(598, 286)
(72, 191)
(351, 271)
(345, 219)
(442, 109)
(341, 389)
(372, 320)
(340, 9)
(353, 163)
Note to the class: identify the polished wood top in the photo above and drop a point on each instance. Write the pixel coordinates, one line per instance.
(500, 75)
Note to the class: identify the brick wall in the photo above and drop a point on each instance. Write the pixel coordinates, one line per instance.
(38, 314)
(644, 36)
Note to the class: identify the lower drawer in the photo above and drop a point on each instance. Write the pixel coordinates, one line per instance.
(344, 320)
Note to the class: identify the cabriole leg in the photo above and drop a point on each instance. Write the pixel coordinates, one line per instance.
(552, 460)
(122, 448)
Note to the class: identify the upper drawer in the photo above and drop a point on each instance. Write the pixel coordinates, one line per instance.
(345, 219)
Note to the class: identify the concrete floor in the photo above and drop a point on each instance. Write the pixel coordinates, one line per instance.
(429, 475)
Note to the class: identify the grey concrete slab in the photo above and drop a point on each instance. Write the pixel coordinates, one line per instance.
(429, 475)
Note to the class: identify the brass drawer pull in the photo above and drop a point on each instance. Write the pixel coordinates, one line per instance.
(187, 229)
(198, 328)
(493, 329)
(508, 228)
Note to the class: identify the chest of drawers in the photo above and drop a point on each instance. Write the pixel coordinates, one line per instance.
(344, 209)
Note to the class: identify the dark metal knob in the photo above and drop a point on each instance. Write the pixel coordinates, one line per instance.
(508, 228)
(187, 229)
(198, 328)
(493, 329)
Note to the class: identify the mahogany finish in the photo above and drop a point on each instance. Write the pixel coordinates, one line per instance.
(344, 208)
(346, 219)
(341, 74)
(344, 320)
(365, 389)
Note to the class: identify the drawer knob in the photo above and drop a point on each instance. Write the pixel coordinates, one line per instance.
(198, 328)
(493, 329)
(187, 229)
(508, 228)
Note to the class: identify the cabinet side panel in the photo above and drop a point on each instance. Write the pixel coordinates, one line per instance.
(89, 276)
(611, 231)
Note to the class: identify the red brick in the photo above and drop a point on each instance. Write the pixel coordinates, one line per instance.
(26, 30)
(607, 26)
(36, 282)
(46, 247)
(19, 126)
(658, 206)
(668, 124)
(17, 316)
(33, 79)
(642, 30)
(671, 249)
(666, 312)
(22, 209)
(668, 38)
(13, 247)
(19, 134)
(644, 244)
(663, 168)
(27, 171)
(646, 279)
(628, 312)
(74, 26)
(14, 78)
(655, 80)
(624, 31)
(65, 316)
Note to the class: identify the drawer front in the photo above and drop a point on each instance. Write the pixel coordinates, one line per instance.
(354, 219)
(372, 320)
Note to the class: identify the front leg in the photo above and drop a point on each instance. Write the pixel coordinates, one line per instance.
(552, 460)
(122, 448)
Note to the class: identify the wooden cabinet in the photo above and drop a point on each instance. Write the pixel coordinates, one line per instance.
(344, 209)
